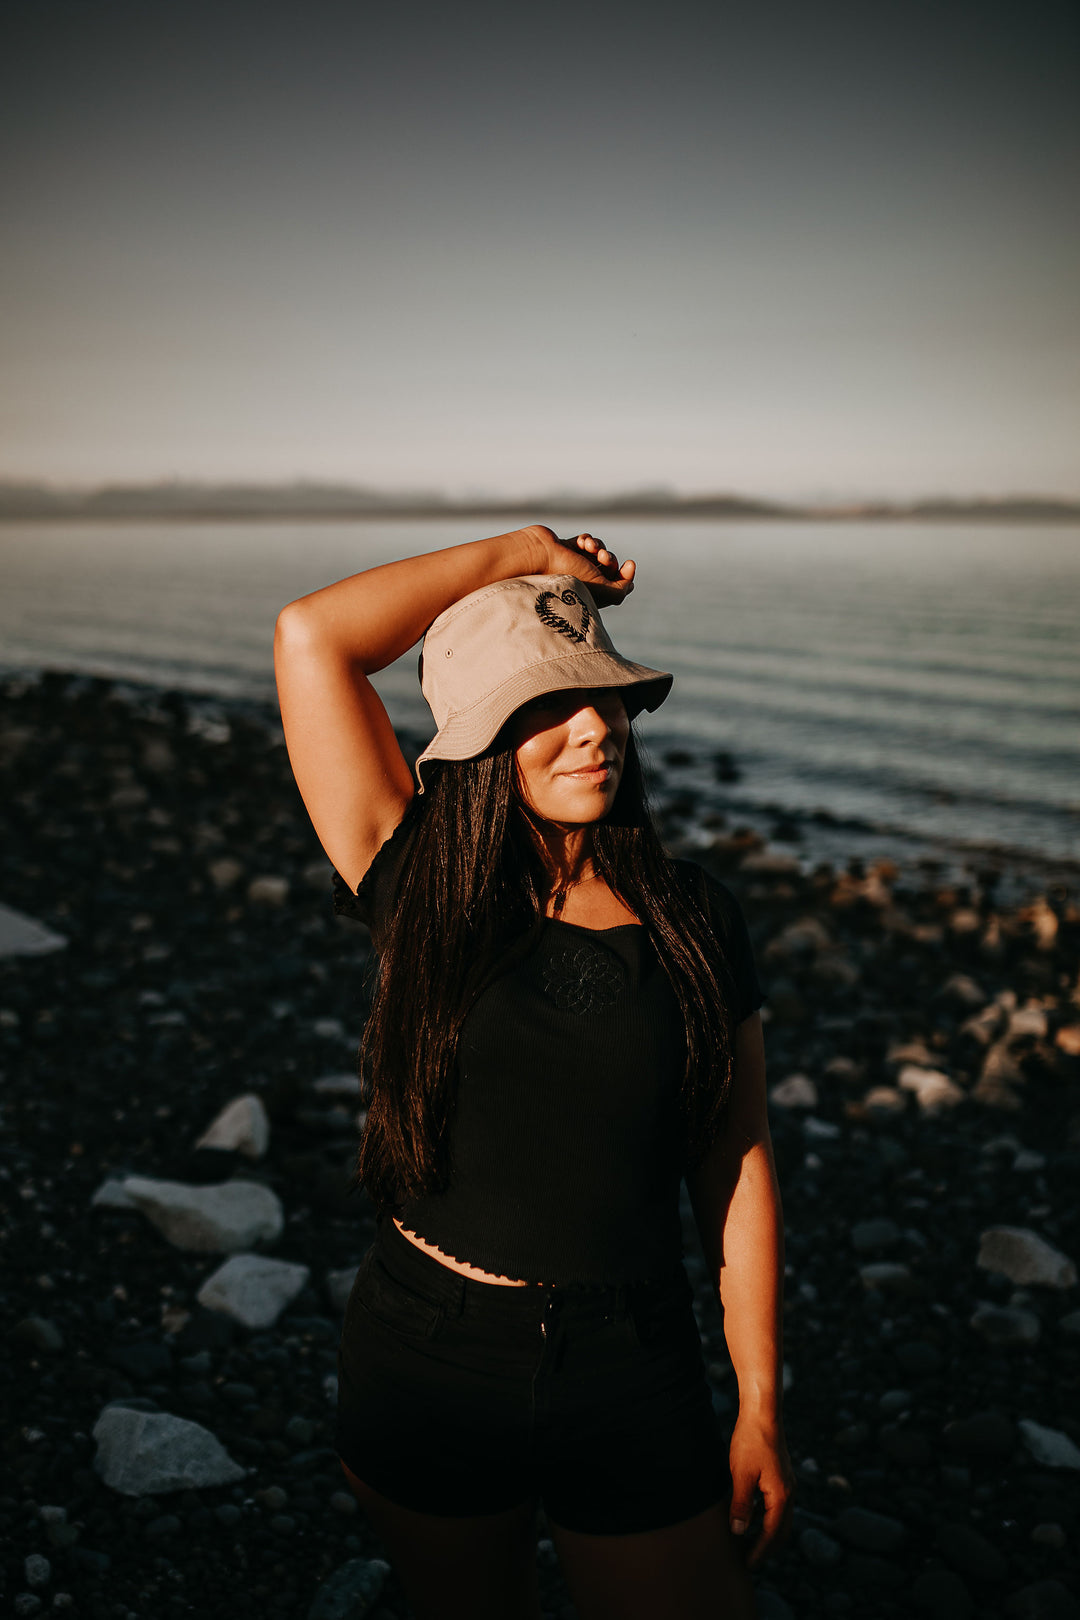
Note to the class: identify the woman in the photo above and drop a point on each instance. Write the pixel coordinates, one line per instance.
(565, 1024)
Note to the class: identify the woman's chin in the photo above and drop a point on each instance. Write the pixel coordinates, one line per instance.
(584, 802)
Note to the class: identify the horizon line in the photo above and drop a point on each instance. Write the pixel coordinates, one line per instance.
(311, 498)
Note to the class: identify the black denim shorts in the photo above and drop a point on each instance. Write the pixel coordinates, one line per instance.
(460, 1398)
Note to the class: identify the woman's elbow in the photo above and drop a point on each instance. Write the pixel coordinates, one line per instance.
(292, 626)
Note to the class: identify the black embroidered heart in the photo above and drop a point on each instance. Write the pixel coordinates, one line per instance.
(555, 621)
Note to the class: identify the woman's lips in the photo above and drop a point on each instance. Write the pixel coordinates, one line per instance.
(592, 773)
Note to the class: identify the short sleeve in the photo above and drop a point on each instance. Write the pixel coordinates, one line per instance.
(733, 937)
(375, 895)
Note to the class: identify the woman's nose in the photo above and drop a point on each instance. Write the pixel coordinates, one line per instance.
(590, 722)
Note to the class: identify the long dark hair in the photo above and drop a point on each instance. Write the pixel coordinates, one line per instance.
(475, 881)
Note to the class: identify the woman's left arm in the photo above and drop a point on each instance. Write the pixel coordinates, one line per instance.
(736, 1202)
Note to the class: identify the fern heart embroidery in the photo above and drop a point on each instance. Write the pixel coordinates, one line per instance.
(555, 621)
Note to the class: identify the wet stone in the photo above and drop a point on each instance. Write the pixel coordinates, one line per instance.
(905, 1446)
(970, 1553)
(870, 1237)
(164, 1526)
(941, 1594)
(869, 1531)
(819, 1550)
(1043, 1600)
(919, 1358)
(983, 1435)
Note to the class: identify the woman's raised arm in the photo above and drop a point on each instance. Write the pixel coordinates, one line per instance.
(350, 771)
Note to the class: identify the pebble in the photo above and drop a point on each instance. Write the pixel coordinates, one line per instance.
(823, 1130)
(904, 1445)
(21, 935)
(1049, 1535)
(1043, 1600)
(869, 1531)
(165, 1525)
(225, 872)
(1024, 1257)
(933, 1090)
(1006, 1325)
(241, 1127)
(982, 1435)
(919, 1357)
(970, 1553)
(1050, 1447)
(868, 1237)
(819, 1550)
(37, 1333)
(268, 890)
(886, 1274)
(797, 1091)
(348, 1592)
(941, 1594)
(26, 1603)
(884, 1100)
(770, 1605)
(37, 1570)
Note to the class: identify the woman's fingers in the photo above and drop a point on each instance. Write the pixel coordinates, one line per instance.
(616, 579)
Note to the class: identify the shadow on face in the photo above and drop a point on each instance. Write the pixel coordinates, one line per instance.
(569, 749)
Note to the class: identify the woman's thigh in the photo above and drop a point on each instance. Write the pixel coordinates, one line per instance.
(690, 1571)
(481, 1568)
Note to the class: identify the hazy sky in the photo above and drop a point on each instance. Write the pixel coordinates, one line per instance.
(795, 249)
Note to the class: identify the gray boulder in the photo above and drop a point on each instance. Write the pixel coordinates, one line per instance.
(216, 1219)
(253, 1289)
(145, 1453)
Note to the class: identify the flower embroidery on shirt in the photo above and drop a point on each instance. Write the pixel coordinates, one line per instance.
(581, 979)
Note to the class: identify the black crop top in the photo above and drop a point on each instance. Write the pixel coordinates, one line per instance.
(564, 1148)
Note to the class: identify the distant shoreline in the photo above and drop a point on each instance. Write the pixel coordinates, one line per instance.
(190, 503)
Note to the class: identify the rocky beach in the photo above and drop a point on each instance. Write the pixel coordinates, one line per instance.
(179, 1015)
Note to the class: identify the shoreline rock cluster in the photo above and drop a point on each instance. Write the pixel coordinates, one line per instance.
(179, 1123)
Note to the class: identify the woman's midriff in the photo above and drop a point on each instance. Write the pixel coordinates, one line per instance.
(460, 1265)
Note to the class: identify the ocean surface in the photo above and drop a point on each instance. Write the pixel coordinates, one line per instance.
(919, 684)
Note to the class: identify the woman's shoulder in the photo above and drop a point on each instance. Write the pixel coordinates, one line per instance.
(375, 892)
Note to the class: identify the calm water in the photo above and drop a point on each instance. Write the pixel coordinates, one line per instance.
(922, 680)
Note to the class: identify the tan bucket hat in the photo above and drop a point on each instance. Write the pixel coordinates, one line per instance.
(509, 642)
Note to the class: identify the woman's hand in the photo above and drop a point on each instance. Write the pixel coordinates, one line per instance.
(588, 560)
(759, 1461)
